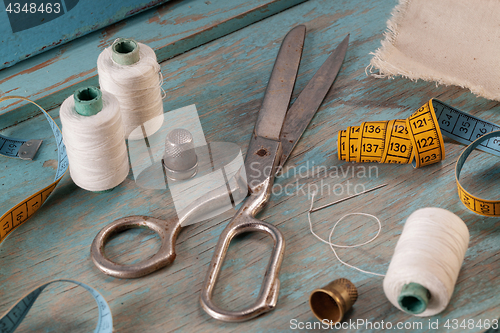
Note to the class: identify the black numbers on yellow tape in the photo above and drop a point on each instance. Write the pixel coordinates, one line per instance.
(397, 143)
(371, 141)
(425, 136)
(477, 205)
(401, 141)
(419, 139)
(24, 210)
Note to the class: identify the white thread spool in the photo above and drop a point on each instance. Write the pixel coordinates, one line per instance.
(426, 262)
(130, 71)
(94, 136)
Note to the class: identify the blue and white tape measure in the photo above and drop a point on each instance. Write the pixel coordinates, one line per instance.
(16, 148)
(13, 317)
(26, 149)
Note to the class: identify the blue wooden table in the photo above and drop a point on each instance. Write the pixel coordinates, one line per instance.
(228, 56)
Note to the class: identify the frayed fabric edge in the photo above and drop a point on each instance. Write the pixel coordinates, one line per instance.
(386, 70)
(389, 71)
(397, 17)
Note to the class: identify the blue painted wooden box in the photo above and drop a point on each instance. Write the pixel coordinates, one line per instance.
(28, 27)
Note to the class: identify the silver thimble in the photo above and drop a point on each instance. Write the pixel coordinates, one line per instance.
(179, 160)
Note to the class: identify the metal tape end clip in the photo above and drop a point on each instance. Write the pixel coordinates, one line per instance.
(29, 149)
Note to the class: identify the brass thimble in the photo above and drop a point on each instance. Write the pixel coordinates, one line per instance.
(333, 300)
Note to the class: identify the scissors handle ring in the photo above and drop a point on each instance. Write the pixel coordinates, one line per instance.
(166, 254)
(244, 221)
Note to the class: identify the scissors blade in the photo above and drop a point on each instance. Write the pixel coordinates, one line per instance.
(305, 106)
(280, 87)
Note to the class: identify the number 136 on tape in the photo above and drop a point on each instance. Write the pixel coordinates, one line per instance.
(419, 140)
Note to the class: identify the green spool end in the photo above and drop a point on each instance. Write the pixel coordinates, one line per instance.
(414, 298)
(125, 51)
(88, 102)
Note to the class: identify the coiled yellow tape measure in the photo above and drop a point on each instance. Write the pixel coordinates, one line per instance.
(477, 205)
(419, 140)
(9, 147)
(401, 141)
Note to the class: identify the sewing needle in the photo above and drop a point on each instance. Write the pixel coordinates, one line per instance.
(347, 198)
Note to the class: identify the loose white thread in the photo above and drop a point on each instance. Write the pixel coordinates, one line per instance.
(137, 88)
(332, 246)
(429, 252)
(95, 145)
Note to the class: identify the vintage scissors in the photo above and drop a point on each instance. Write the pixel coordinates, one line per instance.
(276, 134)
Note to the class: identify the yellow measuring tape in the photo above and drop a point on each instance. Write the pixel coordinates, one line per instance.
(419, 140)
(477, 205)
(17, 215)
(9, 147)
(416, 138)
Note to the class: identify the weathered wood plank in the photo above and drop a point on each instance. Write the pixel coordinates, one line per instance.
(170, 29)
(29, 31)
(226, 79)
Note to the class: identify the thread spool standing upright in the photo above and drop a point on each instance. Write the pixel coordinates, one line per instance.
(130, 71)
(426, 262)
(95, 140)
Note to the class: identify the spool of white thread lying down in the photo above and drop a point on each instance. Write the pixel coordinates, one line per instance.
(94, 136)
(426, 262)
(130, 71)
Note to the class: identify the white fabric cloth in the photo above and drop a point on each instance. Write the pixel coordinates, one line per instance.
(452, 42)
